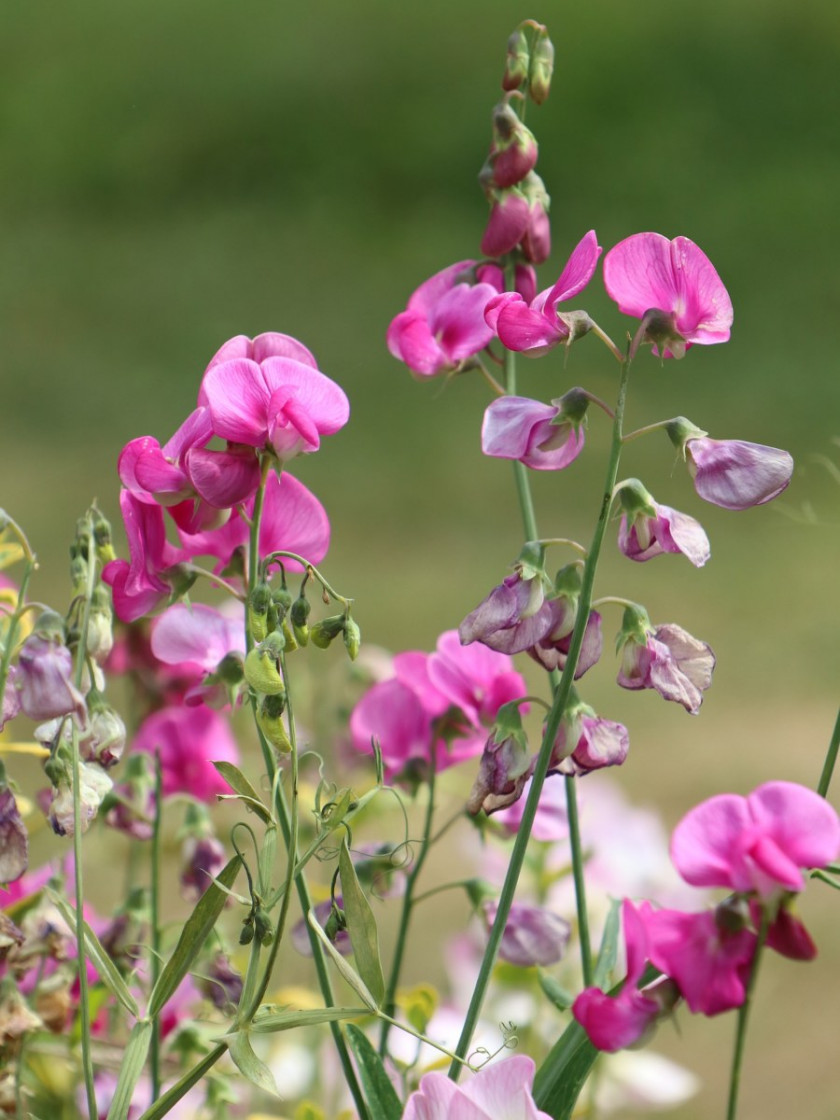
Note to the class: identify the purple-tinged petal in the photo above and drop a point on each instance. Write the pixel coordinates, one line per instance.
(457, 321)
(197, 634)
(638, 274)
(391, 714)
(533, 935)
(503, 1091)
(706, 312)
(737, 475)
(527, 330)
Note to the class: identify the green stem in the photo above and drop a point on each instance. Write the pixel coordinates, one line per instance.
(154, 963)
(743, 1017)
(405, 916)
(14, 620)
(552, 725)
(830, 760)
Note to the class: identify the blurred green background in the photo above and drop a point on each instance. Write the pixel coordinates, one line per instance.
(175, 172)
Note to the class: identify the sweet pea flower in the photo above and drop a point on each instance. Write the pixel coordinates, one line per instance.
(512, 617)
(501, 1091)
(271, 344)
(737, 475)
(533, 935)
(758, 843)
(649, 529)
(552, 649)
(534, 328)
(665, 658)
(198, 638)
(615, 1022)
(506, 764)
(533, 433)
(443, 325)
(646, 272)
(138, 584)
(189, 740)
(44, 678)
(280, 403)
(14, 839)
(586, 741)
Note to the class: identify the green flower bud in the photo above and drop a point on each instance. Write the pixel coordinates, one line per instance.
(262, 672)
(299, 613)
(517, 61)
(541, 68)
(352, 638)
(102, 539)
(269, 717)
(323, 632)
(259, 602)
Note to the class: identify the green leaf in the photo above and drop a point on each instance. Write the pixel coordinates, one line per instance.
(361, 925)
(238, 782)
(249, 1065)
(268, 851)
(380, 1096)
(558, 995)
(823, 878)
(164, 1103)
(350, 975)
(133, 1061)
(98, 957)
(609, 946)
(193, 935)
(564, 1071)
(266, 1022)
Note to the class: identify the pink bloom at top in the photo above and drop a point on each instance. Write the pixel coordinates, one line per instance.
(756, 843)
(522, 429)
(614, 1022)
(501, 1091)
(443, 324)
(189, 741)
(535, 328)
(648, 272)
(280, 403)
(271, 344)
(737, 475)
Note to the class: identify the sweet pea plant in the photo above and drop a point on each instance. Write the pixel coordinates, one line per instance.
(145, 1018)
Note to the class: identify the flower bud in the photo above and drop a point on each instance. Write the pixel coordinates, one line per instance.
(541, 68)
(352, 638)
(94, 784)
(514, 150)
(102, 539)
(517, 60)
(100, 633)
(45, 674)
(269, 717)
(323, 632)
(299, 613)
(533, 935)
(104, 739)
(258, 603)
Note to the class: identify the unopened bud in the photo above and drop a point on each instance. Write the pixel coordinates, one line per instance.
(299, 613)
(541, 68)
(102, 539)
(258, 603)
(517, 61)
(352, 638)
(323, 632)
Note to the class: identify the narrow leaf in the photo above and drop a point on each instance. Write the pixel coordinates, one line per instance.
(193, 935)
(609, 946)
(350, 975)
(237, 781)
(558, 995)
(98, 957)
(133, 1061)
(564, 1071)
(823, 878)
(361, 925)
(270, 1021)
(380, 1096)
(249, 1065)
(163, 1105)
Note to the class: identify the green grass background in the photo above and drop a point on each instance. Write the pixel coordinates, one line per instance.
(175, 172)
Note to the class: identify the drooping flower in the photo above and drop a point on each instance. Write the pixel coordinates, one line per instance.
(506, 764)
(443, 324)
(501, 1091)
(534, 328)
(552, 649)
(649, 529)
(737, 475)
(646, 272)
(586, 741)
(759, 843)
(666, 658)
(512, 617)
(44, 678)
(533, 935)
(14, 839)
(531, 432)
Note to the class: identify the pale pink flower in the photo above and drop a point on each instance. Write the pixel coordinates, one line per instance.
(525, 430)
(44, 678)
(512, 617)
(586, 741)
(197, 638)
(760, 843)
(534, 328)
(501, 1091)
(669, 660)
(533, 935)
(552, 649)
(443, 324)
(647, 272)
(737, 475)
(649, 529)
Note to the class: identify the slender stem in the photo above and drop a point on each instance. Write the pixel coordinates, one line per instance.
(283, 554)
(743, 1017)
(830, 759)
(409, 900)
(579, 879)
(646, 430)
(154, 901)
(552, 725)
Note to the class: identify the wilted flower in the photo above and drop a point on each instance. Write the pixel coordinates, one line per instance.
(94, 784)
(585, 742)
(649, 529)
(14, 839)
(533, 433)
(665, 658)
(737, 475)
(647, 272)
(44, 679)
(506, 764)
(203, 857)
(512, 617)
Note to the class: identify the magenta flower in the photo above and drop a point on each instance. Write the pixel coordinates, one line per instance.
(737, 475)
(759, 843)
(615, 1022)
(137, 583)
(665, 658)
(709, 963)
(649, 529)
(281, 404)
(271, 344)
(197, 638)
(533, 935)
(535, 328)
(391, 714)
(443, 324)
(552, 649)
(189, 741)
(501, 1091)
(647, 272)
(533, 433)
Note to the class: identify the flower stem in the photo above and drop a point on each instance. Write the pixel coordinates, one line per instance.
(561, 696)
(743, 1017)
(830, 760)
(409, 900)
(154, 963)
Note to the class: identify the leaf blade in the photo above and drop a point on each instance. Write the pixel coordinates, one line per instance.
(362, 926)
(381, 1097)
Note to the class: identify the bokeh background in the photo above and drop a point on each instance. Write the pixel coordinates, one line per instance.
(175, 172)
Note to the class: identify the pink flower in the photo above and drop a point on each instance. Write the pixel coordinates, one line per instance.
(709, 964)
(737, 475)
(535, 328)
(649, 529)
(647, 272)
(614, 1022)
(756, 843)
(501, 1091)
(271, 344)
(552, 649)
(533, 935)
(443, 324)
(531, 432)
(585, 742)
(44, 678)
(280, 403)
(138, 584)
(189, 741)
(512, 617)
(198, 638)
(667, 659)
